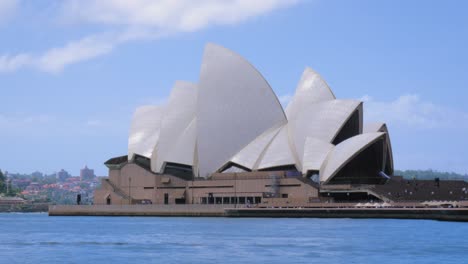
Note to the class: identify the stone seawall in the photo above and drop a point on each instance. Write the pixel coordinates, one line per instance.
(24, 208)
(446, 214)
(137, 210)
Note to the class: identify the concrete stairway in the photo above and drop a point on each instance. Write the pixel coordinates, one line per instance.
(118, 191)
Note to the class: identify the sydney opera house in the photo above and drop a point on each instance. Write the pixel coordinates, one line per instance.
(227, 140)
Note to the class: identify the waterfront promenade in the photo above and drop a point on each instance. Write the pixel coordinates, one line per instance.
(138, 210)
(403, 211)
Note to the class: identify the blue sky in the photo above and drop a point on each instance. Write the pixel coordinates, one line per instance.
(72, 72)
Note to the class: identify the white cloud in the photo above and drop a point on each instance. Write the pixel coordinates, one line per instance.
(89, 47)
(173, 15)
(12, 63)
(136, 20)
(7, 8)
(56, 59)
(411, 110)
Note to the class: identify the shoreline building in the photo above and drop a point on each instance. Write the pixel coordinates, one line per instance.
(62, 175)
(228, 140)
(87, 174)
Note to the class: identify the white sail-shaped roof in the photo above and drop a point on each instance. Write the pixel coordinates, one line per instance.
(346, 151)
(373, 127)
(232, 120)
(315, 153)
(250, 155)
(322, 121)
(311, 89)
(381, 127)
(183, 150)
(144, 130)
(180, 111)
(279, 152)
(235, 106)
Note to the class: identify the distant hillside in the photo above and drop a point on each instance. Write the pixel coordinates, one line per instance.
(430, 175)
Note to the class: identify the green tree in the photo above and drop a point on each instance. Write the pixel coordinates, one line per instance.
(11, 191)
(2, 182)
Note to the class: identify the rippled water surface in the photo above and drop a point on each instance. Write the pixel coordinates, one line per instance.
(38, 238)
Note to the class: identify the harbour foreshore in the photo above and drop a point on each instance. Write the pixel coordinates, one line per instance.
(137, 210)
(326, 211)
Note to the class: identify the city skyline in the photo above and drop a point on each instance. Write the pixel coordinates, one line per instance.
(72, 74)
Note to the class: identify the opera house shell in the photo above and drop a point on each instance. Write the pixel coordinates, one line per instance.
(226, 142)
(231, 121)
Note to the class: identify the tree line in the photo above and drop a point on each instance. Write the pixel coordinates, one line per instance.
(430, 175)
(5, 186)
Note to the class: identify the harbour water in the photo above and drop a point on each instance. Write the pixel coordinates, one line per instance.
(38, 238)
